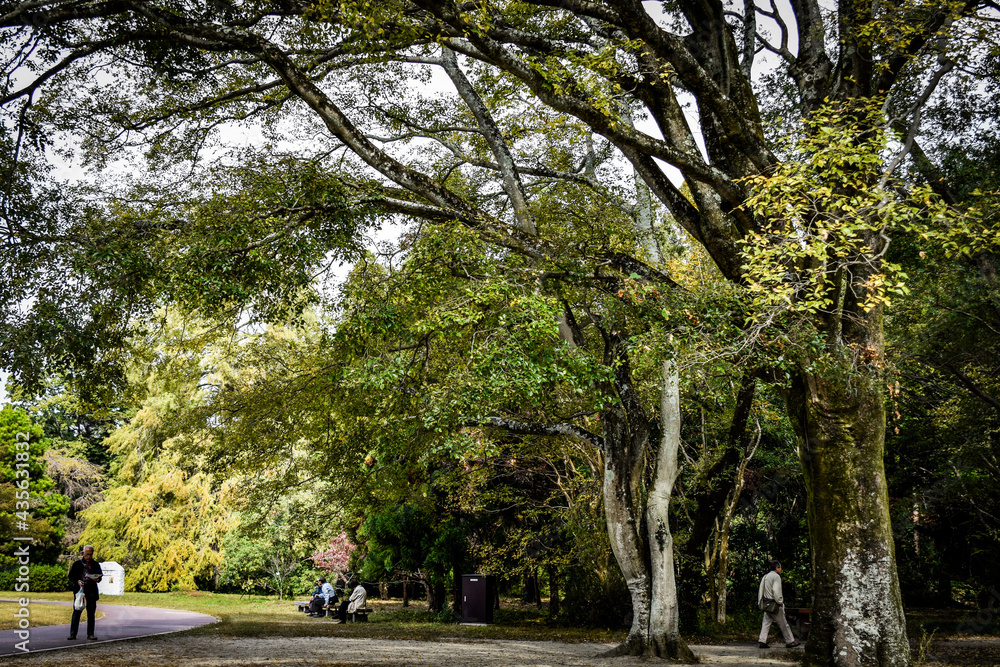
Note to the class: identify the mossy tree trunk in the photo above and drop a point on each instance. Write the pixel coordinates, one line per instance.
(839, 421)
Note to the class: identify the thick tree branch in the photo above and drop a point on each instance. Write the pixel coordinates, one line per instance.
(511, 181)
(638, 24)
(969, 384)
(579, 105)
(812, 67)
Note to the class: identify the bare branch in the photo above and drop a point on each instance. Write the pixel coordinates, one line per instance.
(536, 428)
(511, 181)
(946, 66)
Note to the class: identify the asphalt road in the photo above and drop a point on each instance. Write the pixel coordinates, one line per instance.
(119, 622)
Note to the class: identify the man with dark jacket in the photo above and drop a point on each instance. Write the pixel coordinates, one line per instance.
(85, 573)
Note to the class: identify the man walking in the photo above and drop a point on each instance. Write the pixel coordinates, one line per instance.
(772, 603)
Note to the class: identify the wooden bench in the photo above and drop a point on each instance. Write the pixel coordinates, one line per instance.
(799, 618)
(359, 615)
(328, 609)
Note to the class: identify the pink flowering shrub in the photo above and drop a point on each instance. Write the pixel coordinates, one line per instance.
(335, 559)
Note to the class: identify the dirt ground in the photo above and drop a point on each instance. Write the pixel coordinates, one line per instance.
(189, 651)
(337, 651)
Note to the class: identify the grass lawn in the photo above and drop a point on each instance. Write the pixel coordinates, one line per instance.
(41, 614)
(267, 616)
(255, 616)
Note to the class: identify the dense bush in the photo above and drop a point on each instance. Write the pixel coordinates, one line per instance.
(595, 602)
(41, 579)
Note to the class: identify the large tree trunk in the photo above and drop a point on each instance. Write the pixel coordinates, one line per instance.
(664, 632)
(645, 558)
(858, 612)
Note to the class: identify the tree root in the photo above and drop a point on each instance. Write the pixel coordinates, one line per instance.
(654, 647)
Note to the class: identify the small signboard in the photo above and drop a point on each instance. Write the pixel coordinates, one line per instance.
(113, 582)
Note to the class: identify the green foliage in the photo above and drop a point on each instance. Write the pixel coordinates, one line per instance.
(28, 504)
(165, 530)
(162, 517)
(822, 210)
(830, 212)
(40, 579)
(32, 458)
(410, 539)
(268, 551)
(71, 426)
(248, 235)
(942, 462)
(238, 246)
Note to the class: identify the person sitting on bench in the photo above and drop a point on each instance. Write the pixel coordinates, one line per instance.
(357, 601)
(321, 598)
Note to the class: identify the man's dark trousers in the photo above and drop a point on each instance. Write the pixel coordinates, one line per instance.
(74, 623)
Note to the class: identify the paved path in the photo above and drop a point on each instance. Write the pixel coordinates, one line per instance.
(119, 622)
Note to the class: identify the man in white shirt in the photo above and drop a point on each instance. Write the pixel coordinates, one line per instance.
(321, 598)
(770, 587)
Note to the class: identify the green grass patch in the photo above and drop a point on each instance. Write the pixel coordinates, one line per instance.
(41, 614)
(256, 616)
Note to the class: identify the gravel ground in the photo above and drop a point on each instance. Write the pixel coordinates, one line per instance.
(188, 651)
(335, 652)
